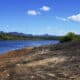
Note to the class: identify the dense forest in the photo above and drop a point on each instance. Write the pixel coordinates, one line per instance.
(22, 36)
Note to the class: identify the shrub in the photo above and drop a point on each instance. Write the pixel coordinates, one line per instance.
(69, 37)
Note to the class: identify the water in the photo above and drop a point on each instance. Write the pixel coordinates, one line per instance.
(6, 46)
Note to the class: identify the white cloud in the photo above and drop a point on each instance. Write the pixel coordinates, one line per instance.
(61, 18)
(75, 18)
(45, 8)
(33, 12)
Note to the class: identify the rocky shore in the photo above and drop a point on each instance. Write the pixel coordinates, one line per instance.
(50, 62)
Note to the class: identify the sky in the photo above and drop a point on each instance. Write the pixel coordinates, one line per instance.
(55, 17)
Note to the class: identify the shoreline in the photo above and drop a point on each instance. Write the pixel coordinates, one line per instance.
(7, 46)
(53, 47)
(55, 62)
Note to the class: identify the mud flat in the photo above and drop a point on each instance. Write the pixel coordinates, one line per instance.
(50, 62)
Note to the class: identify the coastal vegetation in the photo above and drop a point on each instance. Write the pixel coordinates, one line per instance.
(70, 37)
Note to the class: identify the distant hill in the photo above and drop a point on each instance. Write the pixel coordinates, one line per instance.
(23, 36)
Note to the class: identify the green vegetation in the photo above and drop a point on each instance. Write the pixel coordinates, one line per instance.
(20, 36)
(70, 37)
(9, 36)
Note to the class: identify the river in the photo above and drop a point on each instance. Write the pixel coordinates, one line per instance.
(6, 46)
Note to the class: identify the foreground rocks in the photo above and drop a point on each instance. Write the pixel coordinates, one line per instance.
(50, 62)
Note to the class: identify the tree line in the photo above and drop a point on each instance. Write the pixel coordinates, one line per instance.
(8, 36)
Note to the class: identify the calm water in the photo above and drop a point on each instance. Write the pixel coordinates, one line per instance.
(6, 46)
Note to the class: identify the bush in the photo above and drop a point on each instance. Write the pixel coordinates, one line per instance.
(69, 37)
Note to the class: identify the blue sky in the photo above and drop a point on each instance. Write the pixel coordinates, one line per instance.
(56, 17)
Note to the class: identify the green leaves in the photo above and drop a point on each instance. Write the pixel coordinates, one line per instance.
(69, 37)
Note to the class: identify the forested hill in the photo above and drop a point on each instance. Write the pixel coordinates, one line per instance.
(22, 36)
